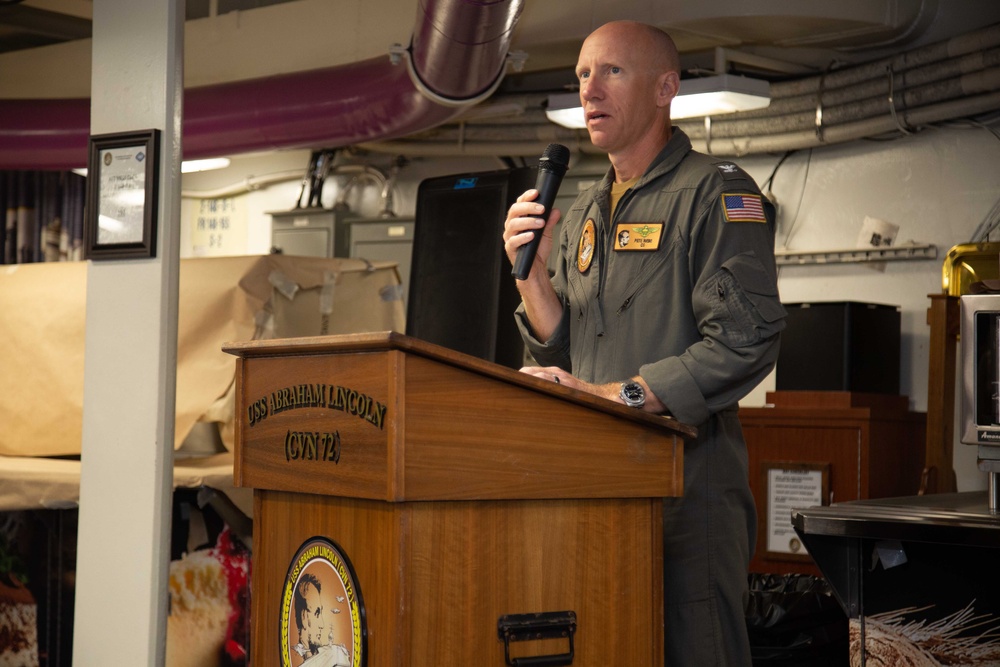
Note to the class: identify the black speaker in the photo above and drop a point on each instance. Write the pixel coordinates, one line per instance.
(840, 346)
(461, 293)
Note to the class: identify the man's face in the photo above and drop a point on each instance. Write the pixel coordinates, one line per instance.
(617, 89)
(312, 618)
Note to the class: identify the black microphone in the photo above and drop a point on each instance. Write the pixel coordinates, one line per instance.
(551, 169)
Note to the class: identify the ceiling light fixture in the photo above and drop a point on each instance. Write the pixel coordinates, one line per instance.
(207, 164)
(564, 109)
(719, 94)
(187, 166)
(706, 96)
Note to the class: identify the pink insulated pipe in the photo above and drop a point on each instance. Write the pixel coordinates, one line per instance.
(457, 55)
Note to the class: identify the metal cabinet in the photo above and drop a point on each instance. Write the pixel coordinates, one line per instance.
(306, 232)
(388, 239)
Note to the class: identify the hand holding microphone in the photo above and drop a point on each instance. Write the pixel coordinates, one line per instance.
(551, 169)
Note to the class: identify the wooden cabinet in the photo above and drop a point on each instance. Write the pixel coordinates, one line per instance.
(861, 445)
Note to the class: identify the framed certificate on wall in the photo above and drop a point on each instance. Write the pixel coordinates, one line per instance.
(790, 485)
(122, 193)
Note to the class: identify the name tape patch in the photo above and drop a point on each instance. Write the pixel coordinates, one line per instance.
(638, 236)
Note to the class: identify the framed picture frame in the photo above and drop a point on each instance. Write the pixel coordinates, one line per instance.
(122, 195)
(789, 485)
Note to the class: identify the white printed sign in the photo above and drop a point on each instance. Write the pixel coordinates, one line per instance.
(787, 490)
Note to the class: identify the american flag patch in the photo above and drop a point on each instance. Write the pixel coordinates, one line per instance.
(743, 208)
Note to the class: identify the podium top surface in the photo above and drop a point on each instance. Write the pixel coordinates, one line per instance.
(384, 416)
(390, 340)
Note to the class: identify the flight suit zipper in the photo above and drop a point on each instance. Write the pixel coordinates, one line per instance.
(625, 198)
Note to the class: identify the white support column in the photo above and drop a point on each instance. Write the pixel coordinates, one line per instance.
(131, 354)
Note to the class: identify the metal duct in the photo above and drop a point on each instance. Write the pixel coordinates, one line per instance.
(457, 54)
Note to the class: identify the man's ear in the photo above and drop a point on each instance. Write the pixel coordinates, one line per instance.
(667, 86)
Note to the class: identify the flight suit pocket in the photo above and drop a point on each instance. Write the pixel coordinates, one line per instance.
(641, 271)
(745, 301)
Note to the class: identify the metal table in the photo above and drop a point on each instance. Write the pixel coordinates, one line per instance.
(916, 558)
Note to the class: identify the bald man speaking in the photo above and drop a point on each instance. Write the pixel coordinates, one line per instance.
(683, 319)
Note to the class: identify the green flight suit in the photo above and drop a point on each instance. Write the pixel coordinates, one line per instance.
(694, 310)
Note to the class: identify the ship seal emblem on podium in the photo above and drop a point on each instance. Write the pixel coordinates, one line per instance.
(322, 614)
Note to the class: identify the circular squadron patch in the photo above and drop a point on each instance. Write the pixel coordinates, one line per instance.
(322, 614)
(585, 253)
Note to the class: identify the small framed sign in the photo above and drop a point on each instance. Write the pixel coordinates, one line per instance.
(122, 188)
(790, 486)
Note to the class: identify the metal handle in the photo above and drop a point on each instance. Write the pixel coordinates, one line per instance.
(544, 625)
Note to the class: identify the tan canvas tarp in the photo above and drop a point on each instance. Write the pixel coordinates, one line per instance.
(41, 358)
(226, 299)
(36, 482)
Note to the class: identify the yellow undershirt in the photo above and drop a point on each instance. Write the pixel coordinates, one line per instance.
(618, 190)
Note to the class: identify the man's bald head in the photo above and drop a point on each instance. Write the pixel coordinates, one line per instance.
(654, 45)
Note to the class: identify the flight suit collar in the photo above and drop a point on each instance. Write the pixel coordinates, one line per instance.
(677, 147)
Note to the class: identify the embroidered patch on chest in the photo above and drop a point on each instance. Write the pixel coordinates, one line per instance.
(585, 252)
(743, 208)
(638, 236)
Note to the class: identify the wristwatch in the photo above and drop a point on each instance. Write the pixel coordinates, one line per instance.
(633, 394)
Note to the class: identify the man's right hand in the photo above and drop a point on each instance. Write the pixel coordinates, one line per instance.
(541, 303)
(521, 221)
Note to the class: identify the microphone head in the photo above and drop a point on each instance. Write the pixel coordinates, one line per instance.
(554, 157)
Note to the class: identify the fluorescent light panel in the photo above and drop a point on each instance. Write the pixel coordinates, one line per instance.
(720, 94)
(564, 109)
(707, 96)
(187, 166)
(207, 164)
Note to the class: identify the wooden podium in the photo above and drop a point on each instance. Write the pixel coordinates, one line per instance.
(477, 515)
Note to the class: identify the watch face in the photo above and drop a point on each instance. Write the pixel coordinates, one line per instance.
(633, 393)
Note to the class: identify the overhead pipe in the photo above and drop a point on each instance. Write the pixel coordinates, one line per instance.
(458, 53)
(254, 183)
(785, 103)
(967, 85)
(953, 79)
(973, 42)
(523, 141)
(870, 127)
(478, 148)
